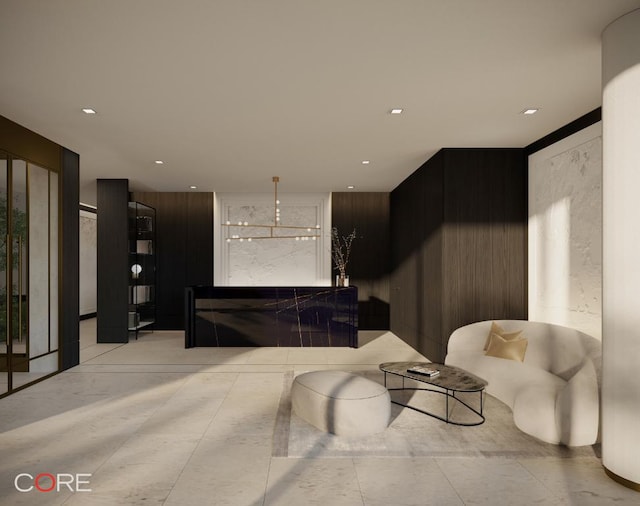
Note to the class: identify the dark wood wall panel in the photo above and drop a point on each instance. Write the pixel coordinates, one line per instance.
(200, 235)
(458, 245)
(416, 212)
(26, 144)
(112, 256)
(184, 249)
(485, 217)
(70, 280)
(406, 242)
(368, 269)
(430, 278)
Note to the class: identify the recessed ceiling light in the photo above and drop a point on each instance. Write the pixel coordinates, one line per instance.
(530, 111)
(350, 187)
(88, 110)
(159, 162)
(193, 187)
(365, 162)
(396, 111)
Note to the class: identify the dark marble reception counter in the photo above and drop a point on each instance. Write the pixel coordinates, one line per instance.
(271, 316)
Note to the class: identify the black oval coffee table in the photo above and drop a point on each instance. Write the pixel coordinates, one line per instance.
(449, 379)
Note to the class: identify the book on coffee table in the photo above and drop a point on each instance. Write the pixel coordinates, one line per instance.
(424, 370)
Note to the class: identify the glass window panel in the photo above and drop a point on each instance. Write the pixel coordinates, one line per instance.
(38, 367)
(38, 261)
(29, 227)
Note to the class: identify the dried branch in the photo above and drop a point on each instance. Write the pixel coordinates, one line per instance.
(341, 249)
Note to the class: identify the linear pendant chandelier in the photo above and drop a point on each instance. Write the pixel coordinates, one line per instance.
(273, 231)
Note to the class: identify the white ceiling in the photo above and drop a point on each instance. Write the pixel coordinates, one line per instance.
(231, 92)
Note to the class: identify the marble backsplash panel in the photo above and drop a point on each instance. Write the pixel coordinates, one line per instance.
(273, 262)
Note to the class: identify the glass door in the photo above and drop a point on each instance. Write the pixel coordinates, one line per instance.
(28, 273)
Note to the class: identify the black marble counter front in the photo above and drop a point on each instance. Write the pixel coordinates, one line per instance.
(271, 316)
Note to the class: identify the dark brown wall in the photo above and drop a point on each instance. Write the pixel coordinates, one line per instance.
(458, 245)
(485, 236)
(184, 249)
(113, 266)
(416, 239)
(70, 282)
(368, 267)
(29, 145)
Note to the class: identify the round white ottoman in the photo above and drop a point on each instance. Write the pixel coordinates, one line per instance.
(341, 403)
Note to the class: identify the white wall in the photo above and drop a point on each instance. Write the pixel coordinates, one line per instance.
(272, 262)
(565, 232)
(621, 274)
(88, 262)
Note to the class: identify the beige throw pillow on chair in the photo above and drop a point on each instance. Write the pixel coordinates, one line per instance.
(497, 329)
(511, 350)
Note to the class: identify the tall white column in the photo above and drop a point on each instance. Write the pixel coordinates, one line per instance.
(621, 250)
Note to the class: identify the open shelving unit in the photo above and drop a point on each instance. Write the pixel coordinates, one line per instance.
(142, 268)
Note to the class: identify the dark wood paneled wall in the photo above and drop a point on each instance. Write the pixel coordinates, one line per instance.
(458, 236)
(113, 268)
(70, 280)
(368, 268)
(184, 249)
(484, 237)
(416, 239)
(28, 145)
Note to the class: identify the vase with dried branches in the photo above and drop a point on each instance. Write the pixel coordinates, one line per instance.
(340, 251)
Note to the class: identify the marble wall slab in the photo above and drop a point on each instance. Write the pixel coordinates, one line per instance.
(88, 262)
(565, 232)
(272, 262)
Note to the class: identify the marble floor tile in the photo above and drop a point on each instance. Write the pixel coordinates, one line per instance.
(155, 423)
(247, 368)
(404, 482)
(142, 471)
(313, 482)
(307, 356)
(245, 421)
(574, 479)
(209, 489)
(495, 482)
(302, 368)
(207, 385)
(170, 417)
(132, 494)
(11, 497)
(210, 458)
(89, 352)
(269, 356)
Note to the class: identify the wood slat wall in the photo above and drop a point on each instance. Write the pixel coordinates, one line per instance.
(458, 245)
(70, 278)
(184, 249)
(113, 261)
(368, 269)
